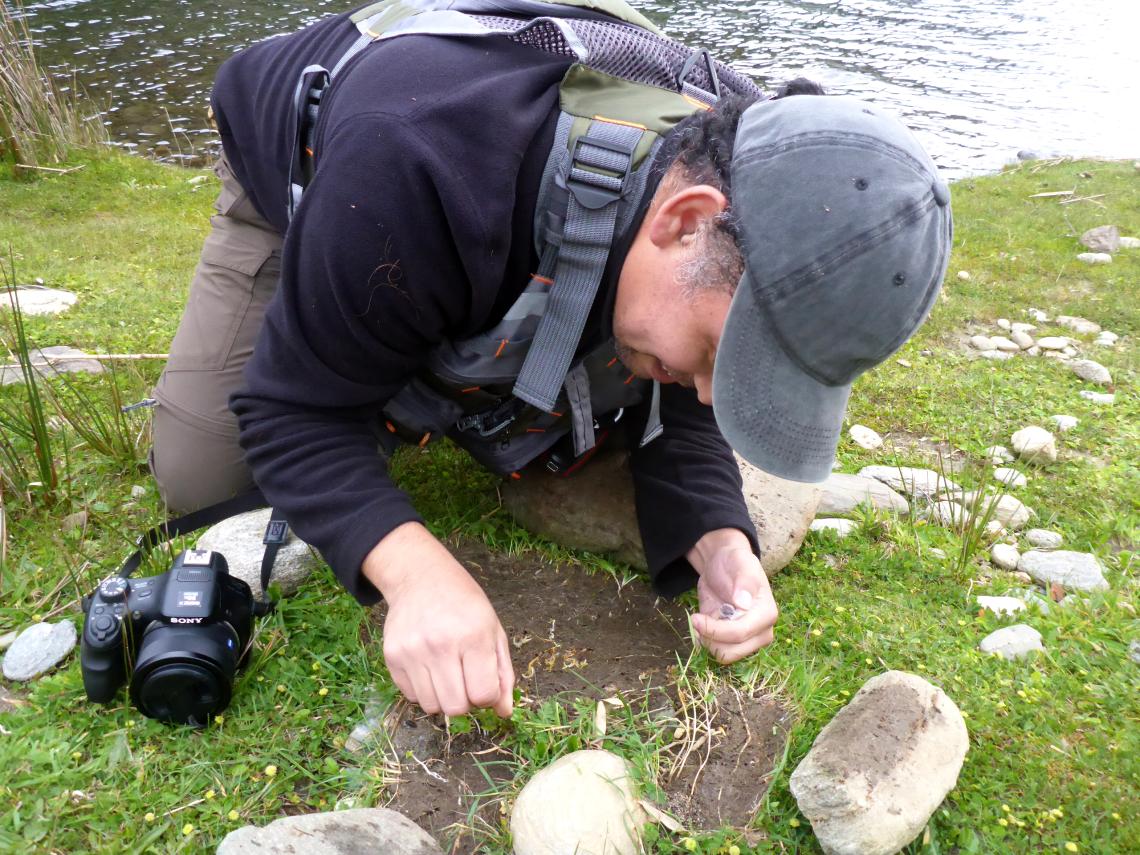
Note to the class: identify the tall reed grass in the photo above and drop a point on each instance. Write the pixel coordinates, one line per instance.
(39, 121)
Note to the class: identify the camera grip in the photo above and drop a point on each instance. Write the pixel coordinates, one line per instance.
(101, 661)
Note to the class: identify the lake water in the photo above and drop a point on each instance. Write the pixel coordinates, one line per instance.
(977, 80)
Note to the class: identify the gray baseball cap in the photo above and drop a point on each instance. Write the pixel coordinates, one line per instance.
(845, 228)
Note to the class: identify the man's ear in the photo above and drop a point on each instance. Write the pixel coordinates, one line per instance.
(679, 216)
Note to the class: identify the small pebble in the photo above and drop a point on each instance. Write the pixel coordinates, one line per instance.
(1010, 477)
(1042, 538)
(964, 275)
(1064, 423)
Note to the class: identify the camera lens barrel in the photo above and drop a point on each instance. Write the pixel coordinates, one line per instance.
(185, 674)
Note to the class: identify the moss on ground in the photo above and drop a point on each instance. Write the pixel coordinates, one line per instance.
(1055, 739)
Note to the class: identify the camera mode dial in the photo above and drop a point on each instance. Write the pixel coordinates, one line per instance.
(113, 589)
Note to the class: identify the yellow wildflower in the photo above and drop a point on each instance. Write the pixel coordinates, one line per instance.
(690, 844)
(219, 720)
(1071, 847)
(281, 687)
(733, 849)
(232, 816)
(1005, 808)
(816, 632)
(794, 823)
(210, 794)
(270, 771)
(323, 691)
(1003, 822)
(149, 816)
(187, 829)
(835, 644)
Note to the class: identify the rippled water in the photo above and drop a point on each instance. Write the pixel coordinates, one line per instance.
(977, 80)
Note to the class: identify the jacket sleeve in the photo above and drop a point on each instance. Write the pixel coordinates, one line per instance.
(374, 274)
(686, 483)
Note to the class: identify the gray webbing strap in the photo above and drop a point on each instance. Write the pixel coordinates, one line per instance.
(653, 426)
(581, 409)
(591, 217)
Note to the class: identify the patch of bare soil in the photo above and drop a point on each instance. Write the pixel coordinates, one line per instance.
(578, 635)
(938, 455)
(9, 701)
(726, 763)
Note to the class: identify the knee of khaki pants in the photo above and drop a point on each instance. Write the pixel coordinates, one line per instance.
(195, 457)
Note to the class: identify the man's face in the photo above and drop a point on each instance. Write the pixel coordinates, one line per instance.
(666, 331)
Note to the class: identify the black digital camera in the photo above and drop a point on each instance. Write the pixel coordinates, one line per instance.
(181, 636)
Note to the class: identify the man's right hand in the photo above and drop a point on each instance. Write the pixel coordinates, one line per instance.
(443, 642)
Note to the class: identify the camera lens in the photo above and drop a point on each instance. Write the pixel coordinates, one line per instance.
(185, 674)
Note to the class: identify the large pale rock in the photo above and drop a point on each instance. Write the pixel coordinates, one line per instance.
(1064, 423)
(1034, 445)
(344, 832)
(1102, 239)
(35, 300)
(1094, 257)
(38, 649)
(1075, 570)
(1079, 325)
(864, 437)
(925, 483)
(842, 494)
(1022, 339)
(594, 509)
(880, 768)
(982, 342)
(1106, 398)
(582, 803)
(1091, 371)
(1009, 477)
(1053, 342)
(1003, 343)
(49, 361)
(239, 539)
(1012, 642)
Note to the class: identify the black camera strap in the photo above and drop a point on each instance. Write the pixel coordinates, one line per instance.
(276, 532)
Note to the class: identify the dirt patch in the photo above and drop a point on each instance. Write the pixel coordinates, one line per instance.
(576, 635)
(913, 450)
(9, 701)
(724, 769)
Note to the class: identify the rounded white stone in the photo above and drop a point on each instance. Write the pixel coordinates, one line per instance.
(1079, 325)
(1077, 570)
(1064, 423)
(841, 527)
(1022, 339)
(1003, 323)
(1002, 605)
(584, 802)
(1022, 327)
(38, 301)
(1003, 343)
(1010, 477)
(1091, 371)
(1094, 257)
(1053, 342)
(1012, 642)
(1108, 398)
(964, 275)
(37, 649)
(999, 454)
(981, 342)
(1034, 444)
(1004, 556)
(1042, 538)
(864, 437)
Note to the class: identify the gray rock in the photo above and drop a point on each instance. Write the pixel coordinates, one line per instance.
(1091, 371)
(1094, 257)
(999, 454)
(1042, 538)
(1004, 324)
(1106, 339)
(1009, 477)
(49, 361)
(1102, 239)
(1070, 351)
(1012, 642)
(594, 510)
(1134, 652)
(840, 527)
(138, 491)
(6, 640)
(1053, 342)
(1076, 570)
(35, 300)
(344, 832)
(925, 483)
(842, 494)
(1005, 556)
(1022, 339)
(964, 275)
(949, 514)
(1022, 327)
(38, 649)
(1064, 423)
(1003, 343)
(74, 521)
(864, 437)
(879, 769)
(239, 539)
(1027, 154)
(1037, 315)
(1034, 445)
(1033, 351)
(996, 355)
(585, 801)
(981, 342)
(1009, 511)
(1002, 605)
(1106, 398)
(1129, 242)
(1078, 325)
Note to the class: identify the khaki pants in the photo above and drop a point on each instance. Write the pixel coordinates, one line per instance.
(196, 459)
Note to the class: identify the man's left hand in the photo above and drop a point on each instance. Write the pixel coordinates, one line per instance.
(730, 574)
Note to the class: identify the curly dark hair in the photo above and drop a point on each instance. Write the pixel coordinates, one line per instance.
(702, 145)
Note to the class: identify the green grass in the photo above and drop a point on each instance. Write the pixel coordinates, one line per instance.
(1055, 740)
